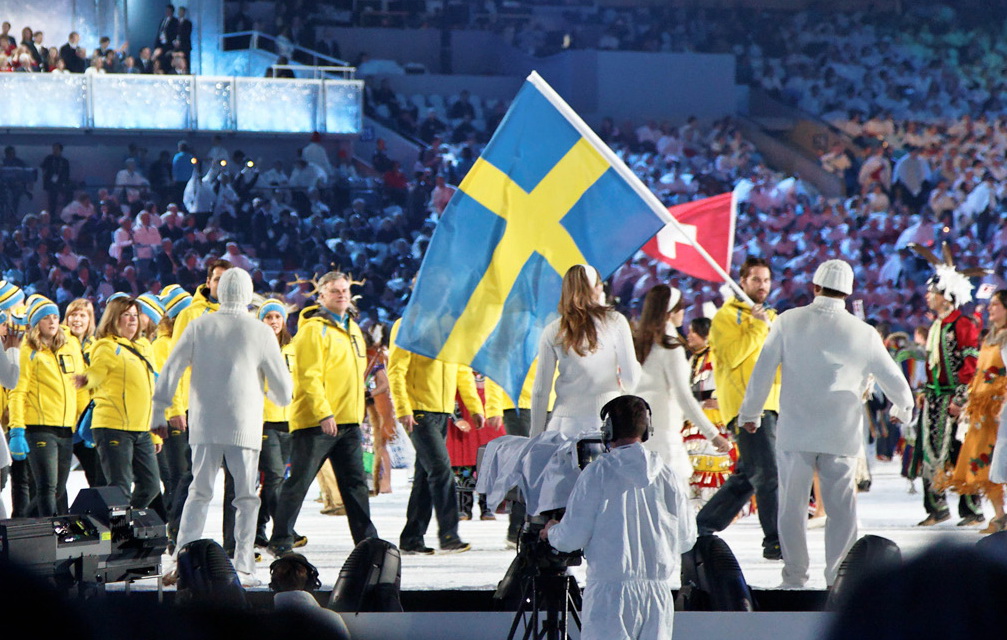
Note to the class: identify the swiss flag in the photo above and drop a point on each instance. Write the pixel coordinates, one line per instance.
(709, 223)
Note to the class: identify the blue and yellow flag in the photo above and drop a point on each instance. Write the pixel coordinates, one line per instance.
(546, 194)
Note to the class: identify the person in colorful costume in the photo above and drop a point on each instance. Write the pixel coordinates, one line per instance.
(952, 349)
(985, 403)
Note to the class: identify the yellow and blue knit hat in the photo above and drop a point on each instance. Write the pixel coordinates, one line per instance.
(272, 304)
(174, 299)
(40, 308)
(11, 295)
(150, 306)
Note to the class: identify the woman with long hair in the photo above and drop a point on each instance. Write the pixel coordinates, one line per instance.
(592, 346)
(44, 406)
(275, 427)
(665, 380)
(985, 403)
(121, 378)
(79, 324)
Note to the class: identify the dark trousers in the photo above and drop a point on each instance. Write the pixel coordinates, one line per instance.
(22, 490)
(90, 464)
(129, 462)
(516, 423)
(176, 447)
(755, 473)
(273, 466)
(167, 481)
(433, 484)
(50, 455)
(309, 448)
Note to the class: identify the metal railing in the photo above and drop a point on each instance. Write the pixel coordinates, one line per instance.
(241, 40)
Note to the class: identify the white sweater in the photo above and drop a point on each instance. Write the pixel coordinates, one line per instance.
(825, 355)
(233, 358)
(585, 383)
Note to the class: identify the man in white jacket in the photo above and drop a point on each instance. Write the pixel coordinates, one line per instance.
(231, 355)
(633, 521)
(826, 356)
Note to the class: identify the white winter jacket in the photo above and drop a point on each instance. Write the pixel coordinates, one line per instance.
(234, 358)
(825, 355)
(585, 383)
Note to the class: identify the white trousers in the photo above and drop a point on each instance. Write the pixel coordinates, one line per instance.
(630, 610)
(836, 474)
(243, 463)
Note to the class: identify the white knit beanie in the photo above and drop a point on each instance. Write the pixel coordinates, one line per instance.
(235, 290)
(836, 275)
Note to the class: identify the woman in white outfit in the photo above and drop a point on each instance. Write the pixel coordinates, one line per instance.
(592, 346)
(665, 380)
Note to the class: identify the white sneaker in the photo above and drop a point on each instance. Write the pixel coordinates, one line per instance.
(817, 522)
(248, 580)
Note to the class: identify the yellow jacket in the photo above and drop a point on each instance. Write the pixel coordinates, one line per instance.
(45, 392)
(421, 384)
(329, 366)
(122, 384)
(736, 340)
(271, 412)
(201, 304)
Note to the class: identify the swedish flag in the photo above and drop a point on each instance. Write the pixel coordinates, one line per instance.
(546, 194)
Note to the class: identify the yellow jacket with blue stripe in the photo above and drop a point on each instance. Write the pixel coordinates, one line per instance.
(270, 411)
(201, 304)
(329, 366)
(420, 384)
(736, 340)
(122, 384)
(45, 393)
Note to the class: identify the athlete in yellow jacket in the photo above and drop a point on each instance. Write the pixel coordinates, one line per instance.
(45, 405)
(121, 377)
(737, 334)
(330, 360)
(423, 391)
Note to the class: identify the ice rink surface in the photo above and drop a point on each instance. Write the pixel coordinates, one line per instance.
(887, 510)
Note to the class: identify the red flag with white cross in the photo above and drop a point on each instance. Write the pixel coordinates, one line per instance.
(709, 223)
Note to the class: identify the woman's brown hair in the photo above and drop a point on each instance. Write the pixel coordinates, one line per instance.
(579, 311)
(109, 325)
(651, 329)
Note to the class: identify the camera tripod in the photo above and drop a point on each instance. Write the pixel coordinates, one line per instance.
(550, 599)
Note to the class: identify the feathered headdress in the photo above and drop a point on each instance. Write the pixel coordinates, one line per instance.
(952, 283)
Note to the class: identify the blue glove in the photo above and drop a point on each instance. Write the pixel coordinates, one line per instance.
(18, 444)
(85, 435)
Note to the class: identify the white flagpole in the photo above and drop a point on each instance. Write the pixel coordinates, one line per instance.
(631, 178)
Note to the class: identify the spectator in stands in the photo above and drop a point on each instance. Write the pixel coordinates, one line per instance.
(462, 107)
(131, 182)
(56, 176)
(431, 127)
(183, 39)
(167, 33)
(182, 166)
(316, 154)
(68, 54)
